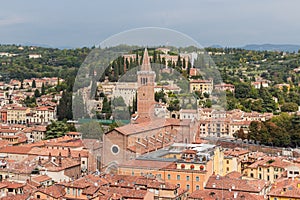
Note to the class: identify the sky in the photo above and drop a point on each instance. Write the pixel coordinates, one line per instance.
(78, 23)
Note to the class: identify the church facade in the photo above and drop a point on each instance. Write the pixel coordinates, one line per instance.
(146, 133)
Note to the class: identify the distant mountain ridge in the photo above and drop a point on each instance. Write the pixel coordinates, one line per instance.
(265, 47)
(272, 47)
(255, 47)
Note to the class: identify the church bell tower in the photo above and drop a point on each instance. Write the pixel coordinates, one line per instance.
(145, 93)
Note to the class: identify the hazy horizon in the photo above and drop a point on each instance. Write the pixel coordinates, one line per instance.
(72, 24)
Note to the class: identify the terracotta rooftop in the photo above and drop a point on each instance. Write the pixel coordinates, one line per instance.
(286, 188)
(43, 151)
(150, 164)
(236, 152)
(15, 150)
(41, 178)
(222, 194)
(126, 193)
(235, 184)
(234, 175)
(13, 185)
(55, 191)
(65, 164)
(267, 161)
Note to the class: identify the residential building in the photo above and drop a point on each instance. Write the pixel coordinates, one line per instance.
(285, 189)
(187, 165)
(225, 87)
(267, 168)
(202, 86)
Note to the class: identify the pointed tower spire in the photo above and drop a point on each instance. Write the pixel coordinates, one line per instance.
(146, 62)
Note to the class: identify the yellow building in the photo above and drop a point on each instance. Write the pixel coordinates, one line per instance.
(234, 160)
(267, 168)
(203, 86)
(17, 115)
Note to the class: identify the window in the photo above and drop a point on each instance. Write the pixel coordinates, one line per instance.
(268, 178)
(259, 168)
(251, 175)
(187, 178)
(79, 191)
(227, 169)
(178, 184)
(83, 162)
(178, 177)
(169, 176)
(74, 191)
(115, 149)
(132, 173)
(187, 186)
(227, 161)
(68, 190)
(197, 187)
(38, 196)
(268, 170)
(197, 178)
(259, 176)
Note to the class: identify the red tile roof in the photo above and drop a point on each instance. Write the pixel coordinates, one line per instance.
(286, 188)
(56, 191)
(41, 178)
(15, 150)
(235, 184)
(222, 194)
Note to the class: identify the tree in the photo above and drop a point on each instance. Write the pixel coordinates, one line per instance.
(242, 90)
(289, 107)
(106, 108)
(37, 93)
(208, 103)
(30, 102)
(91, 130)
(254, 129)
(257, 106)
(240, 134)
(64, 108)
(174, 105)
(43, 90)
(160, 96)
(134, 104)
(33, 84)
(268, 104)
(278, 135)
(58, 129)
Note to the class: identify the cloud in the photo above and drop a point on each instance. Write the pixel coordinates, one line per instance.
(6, 21)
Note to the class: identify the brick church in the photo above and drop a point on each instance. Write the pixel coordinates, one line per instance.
(146, 133)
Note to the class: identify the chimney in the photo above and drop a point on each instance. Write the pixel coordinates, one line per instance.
(49, 157)
(69, 152)
(40, 161)
(235, 195)
(59, 160)
(79, 157)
